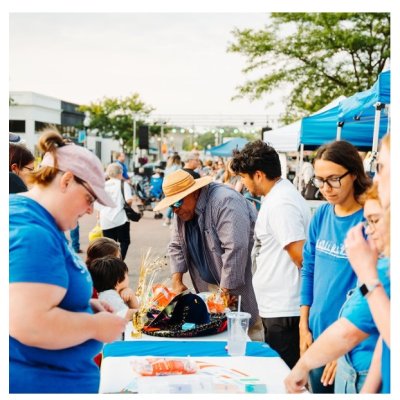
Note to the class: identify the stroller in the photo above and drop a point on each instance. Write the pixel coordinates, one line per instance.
(149, 191)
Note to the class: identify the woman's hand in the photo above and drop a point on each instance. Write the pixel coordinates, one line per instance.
(328, 376)
(305, 340)
(362, 254)
(108, 327)
(100, 305)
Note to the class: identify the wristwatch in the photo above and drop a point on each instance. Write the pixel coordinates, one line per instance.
(367, 288)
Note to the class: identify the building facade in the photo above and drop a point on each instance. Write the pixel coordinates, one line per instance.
(30, 112)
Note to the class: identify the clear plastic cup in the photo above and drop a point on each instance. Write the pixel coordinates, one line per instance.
(238, 326)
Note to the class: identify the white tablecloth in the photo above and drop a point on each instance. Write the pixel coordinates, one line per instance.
(117, 373)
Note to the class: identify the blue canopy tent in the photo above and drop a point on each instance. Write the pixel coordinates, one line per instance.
(226, 149)
(365, 109)
(357, 119)
(319, 129)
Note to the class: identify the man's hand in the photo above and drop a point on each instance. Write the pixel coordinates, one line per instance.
(178, 287)
(177, 284)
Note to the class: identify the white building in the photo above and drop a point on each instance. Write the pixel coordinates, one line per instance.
(30, 112)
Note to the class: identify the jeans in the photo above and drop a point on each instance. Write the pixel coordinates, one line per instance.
(347, 379)
(74, 233)
(315, 382)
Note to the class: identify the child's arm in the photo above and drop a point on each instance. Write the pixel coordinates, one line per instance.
(128, 295)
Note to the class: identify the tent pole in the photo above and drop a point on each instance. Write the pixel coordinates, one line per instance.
(339, 130)
(299, 165)
(378, 108)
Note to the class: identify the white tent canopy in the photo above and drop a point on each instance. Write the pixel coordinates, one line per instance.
(287, 138)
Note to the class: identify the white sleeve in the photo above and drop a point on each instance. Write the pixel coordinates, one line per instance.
(115, 301)
(127, 191)
(287, 223)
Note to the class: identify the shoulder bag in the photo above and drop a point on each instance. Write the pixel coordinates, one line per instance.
(131, 214)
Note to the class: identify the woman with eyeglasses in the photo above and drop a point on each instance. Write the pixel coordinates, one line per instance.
(20, 165)
(363, 255)
(353, 337)
(326, 273)
(55, 328)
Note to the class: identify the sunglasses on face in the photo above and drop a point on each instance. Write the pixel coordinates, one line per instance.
(177, 204)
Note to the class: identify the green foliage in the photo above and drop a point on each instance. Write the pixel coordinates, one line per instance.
(320, 55)
(113, 116)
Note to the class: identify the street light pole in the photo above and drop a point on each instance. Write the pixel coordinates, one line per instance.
(134, 141)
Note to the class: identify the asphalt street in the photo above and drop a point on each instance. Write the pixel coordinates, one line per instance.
(148, 233)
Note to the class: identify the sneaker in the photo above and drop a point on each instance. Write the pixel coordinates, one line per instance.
(165, 224)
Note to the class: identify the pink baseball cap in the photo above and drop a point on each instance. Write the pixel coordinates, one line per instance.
(84, 165)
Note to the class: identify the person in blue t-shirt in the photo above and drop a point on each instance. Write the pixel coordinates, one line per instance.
(363, 257)
(326, 273)
(55, 329)
(354, 335)
(121, 162)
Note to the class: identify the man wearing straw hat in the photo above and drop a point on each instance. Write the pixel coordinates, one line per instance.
(212, 238)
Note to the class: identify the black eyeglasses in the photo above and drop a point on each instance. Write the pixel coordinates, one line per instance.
(30, 169)
(177, 204)
(333, 183)
(92, 197)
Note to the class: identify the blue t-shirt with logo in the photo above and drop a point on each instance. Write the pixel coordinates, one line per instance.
(39, 253)
(326, 274)
(357, 311)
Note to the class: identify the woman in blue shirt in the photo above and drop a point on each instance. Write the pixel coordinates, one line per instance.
(326, 273)
(55, 329)
(354, 335)
(363, 257)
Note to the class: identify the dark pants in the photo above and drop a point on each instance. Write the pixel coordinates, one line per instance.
(121, 235)
(282, 334)
(315, 382)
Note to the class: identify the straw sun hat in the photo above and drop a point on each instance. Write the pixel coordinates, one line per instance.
(178, 185)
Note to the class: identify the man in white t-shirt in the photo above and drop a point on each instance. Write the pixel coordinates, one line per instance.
(280, 233)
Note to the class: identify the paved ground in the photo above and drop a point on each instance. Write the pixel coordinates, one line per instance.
(145, 234)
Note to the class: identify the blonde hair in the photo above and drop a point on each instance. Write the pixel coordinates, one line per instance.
(370, 194)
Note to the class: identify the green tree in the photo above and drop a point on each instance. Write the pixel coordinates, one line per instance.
(114, 116)
(320, 56)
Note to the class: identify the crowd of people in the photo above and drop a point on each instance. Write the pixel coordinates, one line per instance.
(317, 286)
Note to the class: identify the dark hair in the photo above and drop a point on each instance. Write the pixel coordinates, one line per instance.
(19, 155)
(345, 154)
(101, 247)
(257, 156)
(107, 272)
